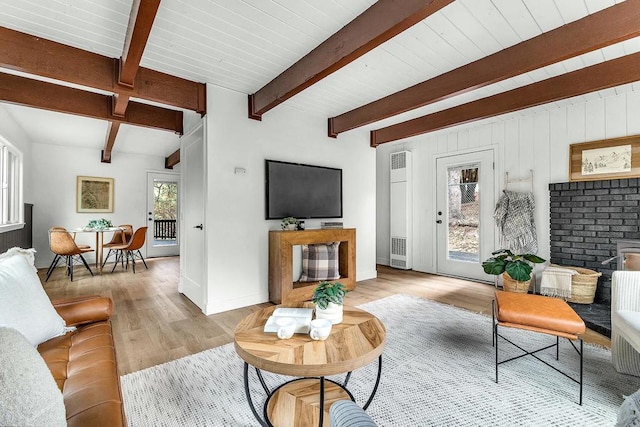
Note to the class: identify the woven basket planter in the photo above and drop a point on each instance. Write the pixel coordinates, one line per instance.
(583, 284)
(510, 285)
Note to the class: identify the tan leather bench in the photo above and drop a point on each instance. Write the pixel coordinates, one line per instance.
(537, 313)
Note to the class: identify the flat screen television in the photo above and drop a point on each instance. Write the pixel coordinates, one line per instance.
(302, 191)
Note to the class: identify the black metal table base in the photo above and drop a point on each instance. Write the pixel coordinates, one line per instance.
(264, 419)
(496, 335)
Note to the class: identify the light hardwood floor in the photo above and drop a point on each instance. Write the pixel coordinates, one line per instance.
(153, 323)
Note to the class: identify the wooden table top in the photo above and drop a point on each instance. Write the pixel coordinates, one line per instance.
(354, 343)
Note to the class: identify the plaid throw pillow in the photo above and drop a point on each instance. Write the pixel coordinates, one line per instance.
(320, 262)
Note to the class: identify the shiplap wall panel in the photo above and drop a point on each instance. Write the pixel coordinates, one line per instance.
(541, 172)
(633, 113)
(576, 115)
(536, 139)
(527, 150)
(615, 109)
(594, 128)
(559, 161)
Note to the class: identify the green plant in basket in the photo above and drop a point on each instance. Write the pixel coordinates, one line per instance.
(518, 266)
(99, 223)
(327, 292)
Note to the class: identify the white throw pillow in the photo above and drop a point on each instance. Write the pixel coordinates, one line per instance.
(29, 395)
(24, 305)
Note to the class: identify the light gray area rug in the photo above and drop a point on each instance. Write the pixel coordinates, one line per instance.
(438, 369)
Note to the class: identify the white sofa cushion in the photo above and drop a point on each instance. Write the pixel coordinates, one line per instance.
(29, 395)
(628, 326)
(24, 305)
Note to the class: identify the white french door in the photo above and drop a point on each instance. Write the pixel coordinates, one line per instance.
(464, 213)
(162, 214)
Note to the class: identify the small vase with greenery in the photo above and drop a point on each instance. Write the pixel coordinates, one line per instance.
(290, 223)
(99, 224)
(517, 267)
(329, 299)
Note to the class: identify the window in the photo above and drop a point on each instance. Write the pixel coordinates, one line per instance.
(11, 209)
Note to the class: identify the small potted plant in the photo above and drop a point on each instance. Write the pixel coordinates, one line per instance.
(290, 223)
(329, 300)
(99, 224)
(515, 269)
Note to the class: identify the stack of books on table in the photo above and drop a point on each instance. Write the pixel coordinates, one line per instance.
(334, 224)
(302, 316)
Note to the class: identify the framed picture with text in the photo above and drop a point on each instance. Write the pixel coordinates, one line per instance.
(605, 159)
(94, 194)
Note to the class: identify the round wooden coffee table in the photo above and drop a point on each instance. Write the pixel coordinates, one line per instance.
(354, 343)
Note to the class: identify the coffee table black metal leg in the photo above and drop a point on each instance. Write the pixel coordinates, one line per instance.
(264, 385)
(248, 393)
(321, 401)
(346, 379)
(375, 387)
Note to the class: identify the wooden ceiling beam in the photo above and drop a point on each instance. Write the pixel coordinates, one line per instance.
(112, 132)
(172, 160)
(46, 58)
(605, 75)
(143, 13)
(606, 27)
(49, 96)
(382, 21)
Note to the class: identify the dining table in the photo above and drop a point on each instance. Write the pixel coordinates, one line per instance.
(99, 241)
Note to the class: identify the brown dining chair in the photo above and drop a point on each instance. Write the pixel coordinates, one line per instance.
(64, 229)
(119, 238)
(64, 247)
(131, 250)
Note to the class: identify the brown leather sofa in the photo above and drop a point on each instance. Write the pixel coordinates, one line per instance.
(83, 363)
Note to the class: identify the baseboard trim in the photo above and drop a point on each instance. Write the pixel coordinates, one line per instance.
(233, 303)
(366, 275)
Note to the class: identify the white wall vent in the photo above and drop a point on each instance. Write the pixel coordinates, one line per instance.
(400, 211)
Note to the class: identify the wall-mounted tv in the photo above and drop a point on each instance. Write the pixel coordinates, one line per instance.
(302, 191)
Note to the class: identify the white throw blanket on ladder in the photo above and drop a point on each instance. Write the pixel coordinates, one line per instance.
(514, 218)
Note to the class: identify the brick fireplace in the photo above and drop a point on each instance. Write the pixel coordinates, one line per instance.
(588, 220)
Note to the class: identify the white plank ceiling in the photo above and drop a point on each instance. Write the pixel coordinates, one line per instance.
(243, 44)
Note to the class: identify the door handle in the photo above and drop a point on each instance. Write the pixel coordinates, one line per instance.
(198, 226)
(439, 221)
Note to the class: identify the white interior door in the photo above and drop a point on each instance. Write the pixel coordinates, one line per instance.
(464, 216)
(163, 237)
(192, 213)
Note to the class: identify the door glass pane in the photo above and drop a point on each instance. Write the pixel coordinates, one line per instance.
(165, 212)
(463, 219)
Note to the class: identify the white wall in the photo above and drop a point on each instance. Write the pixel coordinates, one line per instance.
(55, 169)
(10, 130)
(237, 238)
(537, 140)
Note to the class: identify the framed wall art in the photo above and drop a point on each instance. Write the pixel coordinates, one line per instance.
(94, 194)
(606, 159)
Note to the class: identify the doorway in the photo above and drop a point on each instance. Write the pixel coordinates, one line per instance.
(193, 251)
(464, 213)
(162, 214)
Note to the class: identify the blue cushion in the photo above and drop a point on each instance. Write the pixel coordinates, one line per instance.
(345, 413)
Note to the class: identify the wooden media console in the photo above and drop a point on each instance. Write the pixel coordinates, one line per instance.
(282, 288)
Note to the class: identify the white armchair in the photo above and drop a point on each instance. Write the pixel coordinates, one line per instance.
(625, 322)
